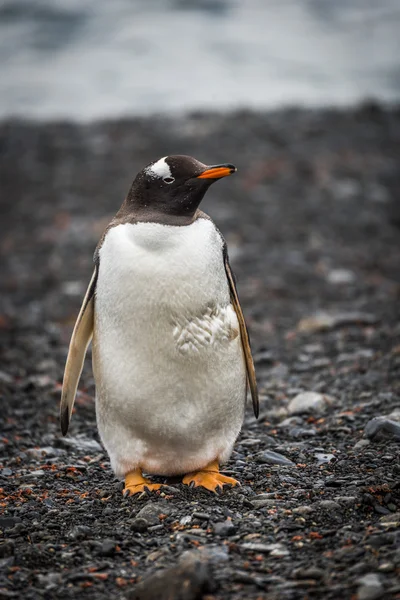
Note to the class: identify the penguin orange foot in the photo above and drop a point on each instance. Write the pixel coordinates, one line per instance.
(209, 478)
(136, 483)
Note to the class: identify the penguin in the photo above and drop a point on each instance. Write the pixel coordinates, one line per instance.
(170, 350)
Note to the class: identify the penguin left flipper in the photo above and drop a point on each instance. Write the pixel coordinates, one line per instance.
(80, 340)
(244, 336)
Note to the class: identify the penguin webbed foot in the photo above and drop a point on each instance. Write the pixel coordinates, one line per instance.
(135, 483)
(209, 478)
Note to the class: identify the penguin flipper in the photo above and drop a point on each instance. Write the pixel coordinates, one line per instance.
(251, 374)
(79, 343)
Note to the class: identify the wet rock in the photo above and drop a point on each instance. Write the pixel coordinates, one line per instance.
(382, 427)
(310, 403)
(189, 580)
(273, 458)
(370, 587)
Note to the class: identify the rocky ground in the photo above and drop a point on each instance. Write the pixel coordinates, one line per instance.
(312, 222)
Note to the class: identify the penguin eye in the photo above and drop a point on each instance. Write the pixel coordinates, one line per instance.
(169, 179)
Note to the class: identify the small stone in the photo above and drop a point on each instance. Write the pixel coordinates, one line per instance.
(291, 422)
(262, 502)
(328, 505)
(322, 321)
(225, 528)
(391, 520)
(386, 567)
(309, 573)
(310, 403)
(303, 510)
(276, 550)
(8, 522)
(139, 524)
(370, 587)
(273, 458)
(361, 444)
(107, 548)
(47, 451)
(192, 578)
(250, 442)
(7, 549)
(185, 520)
(340, 276)
(81, 443)
(5, 378)
(298, 432)
(152, 510)
(346, 500)
(201, 515)
(79, 532)
(324, 458)
(6, 472)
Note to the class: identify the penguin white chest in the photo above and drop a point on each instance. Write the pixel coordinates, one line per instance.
(167, 355)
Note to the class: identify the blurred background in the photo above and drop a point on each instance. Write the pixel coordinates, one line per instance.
(85, 59)
(303, 97)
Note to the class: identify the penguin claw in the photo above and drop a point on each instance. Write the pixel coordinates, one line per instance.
(213, 481)
(142, 488)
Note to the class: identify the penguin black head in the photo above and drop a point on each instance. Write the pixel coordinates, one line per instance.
(170, 189)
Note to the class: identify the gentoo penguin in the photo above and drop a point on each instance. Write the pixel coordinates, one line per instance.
(171, 353)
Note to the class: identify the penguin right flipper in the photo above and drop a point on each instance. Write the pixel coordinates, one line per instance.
(248, 357)
(80, 340)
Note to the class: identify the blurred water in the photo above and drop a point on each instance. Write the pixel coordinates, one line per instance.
(94, 58)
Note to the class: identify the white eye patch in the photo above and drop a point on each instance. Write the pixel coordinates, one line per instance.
(160, 169)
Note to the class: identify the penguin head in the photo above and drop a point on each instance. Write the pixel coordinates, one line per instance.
(170, 189)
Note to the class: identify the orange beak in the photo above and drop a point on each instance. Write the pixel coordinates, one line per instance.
(217, 171)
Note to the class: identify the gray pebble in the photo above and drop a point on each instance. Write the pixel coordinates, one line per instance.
(107, 548)
(273, 458)
(297, 432)
(151, 511)
(225, 528)
(328, 505)
(310, 403)
(370, 587)
(139, 524)
(324, 458)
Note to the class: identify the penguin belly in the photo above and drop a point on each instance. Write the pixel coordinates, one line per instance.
(167, 354)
